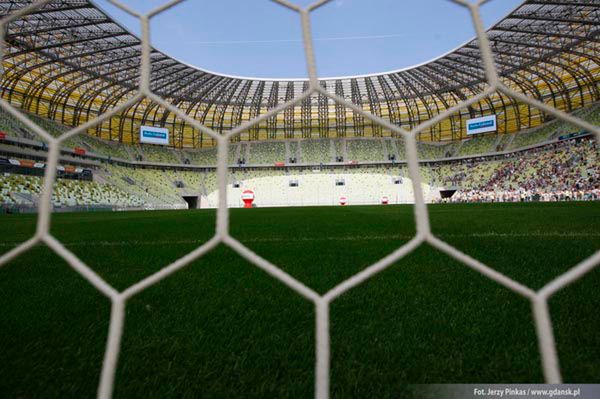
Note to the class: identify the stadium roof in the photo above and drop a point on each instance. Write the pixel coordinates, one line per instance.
(70, 61)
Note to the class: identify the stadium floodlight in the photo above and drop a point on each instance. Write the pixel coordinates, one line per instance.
(538, 299)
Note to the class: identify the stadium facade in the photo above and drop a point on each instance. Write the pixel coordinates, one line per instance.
(70, 62)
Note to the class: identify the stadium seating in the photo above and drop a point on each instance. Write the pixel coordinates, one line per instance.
(389, 149)
(266, 153)
(431, 151)
(556, 171)
(365, 185)
(339, 146)
(400, 147)
(237, 152)
(104, 147)
(294, 150)
(192, 182)
(55, 129)
(534, 136)
(25, 190)
(365, 150)
(13, 127)
(157, 153)
(154, 186)
(462, 175)
(477, 145)
(549, 168)
(204, 157)
(593, 115)
(563, 166)
(315, 151)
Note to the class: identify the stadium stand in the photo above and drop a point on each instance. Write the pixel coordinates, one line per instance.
(238, 153)
(312, 151)
(192, 182)
(12, 126)
(294, 148)
(566, 170)
(25, 190)
(266, 153)
(428, 151)
(203, 157)
(537, 135)
(155, 153)
(126, 186)
(477, 145)
(156, 187)
(364, 185)
(315, 151)
(365, 150)
(337, 150)
(104, 147)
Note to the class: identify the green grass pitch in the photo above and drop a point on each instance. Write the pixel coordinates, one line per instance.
(221, 328)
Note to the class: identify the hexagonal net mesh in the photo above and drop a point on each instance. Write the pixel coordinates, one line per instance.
(538, 299)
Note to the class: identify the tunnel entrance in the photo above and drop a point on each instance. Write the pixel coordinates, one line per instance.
(193, 202)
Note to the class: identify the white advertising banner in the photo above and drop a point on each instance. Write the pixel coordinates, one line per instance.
(482, 125)
(154, 135)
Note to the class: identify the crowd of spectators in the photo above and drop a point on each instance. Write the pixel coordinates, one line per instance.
(562, 171)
